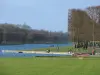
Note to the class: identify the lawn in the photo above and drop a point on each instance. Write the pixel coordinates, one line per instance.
(53, 49)
(49, 66)
(61, 49)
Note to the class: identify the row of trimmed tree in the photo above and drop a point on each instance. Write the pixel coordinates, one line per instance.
(84, 24)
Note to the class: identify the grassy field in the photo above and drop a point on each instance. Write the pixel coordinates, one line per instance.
(49, 66)
(61, 49)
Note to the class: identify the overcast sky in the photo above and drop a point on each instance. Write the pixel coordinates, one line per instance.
(50, 15)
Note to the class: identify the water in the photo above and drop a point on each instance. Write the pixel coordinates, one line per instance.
(30, 46)
(29, 54)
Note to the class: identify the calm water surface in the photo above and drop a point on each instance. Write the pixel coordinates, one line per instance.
(30, 46)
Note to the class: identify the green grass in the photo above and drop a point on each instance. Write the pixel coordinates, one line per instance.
(49, 66)
(61, 49)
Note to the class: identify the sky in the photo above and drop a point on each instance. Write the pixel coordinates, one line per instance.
(51, 15)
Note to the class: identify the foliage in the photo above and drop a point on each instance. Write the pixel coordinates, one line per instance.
(49, 66)
(81, 24)
(25, 34)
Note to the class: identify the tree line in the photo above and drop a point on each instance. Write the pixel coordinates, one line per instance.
(84, 26)
(21, 34)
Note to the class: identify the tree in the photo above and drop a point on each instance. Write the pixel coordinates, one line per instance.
(81, 25)
(1, 35)
(25, 26)
(25, 34)
(77, 21)
(94, 13)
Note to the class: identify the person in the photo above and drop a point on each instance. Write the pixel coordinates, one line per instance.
(70, 51)
(93, 52)
(57, 47)
(48, 51)
(75, 45)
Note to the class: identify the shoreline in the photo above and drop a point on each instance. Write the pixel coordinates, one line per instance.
(36, 52)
